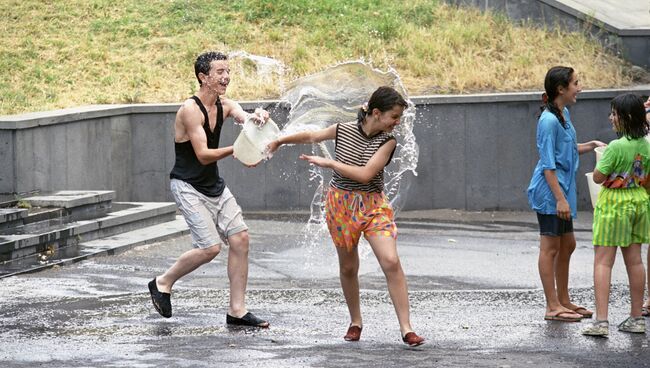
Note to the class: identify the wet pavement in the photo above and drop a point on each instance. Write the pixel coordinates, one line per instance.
(474, 289)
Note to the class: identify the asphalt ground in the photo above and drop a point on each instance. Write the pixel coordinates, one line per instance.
(474, 289)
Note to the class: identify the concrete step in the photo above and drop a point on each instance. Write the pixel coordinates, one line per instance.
(12, 217)
(68, 205)
(108, 245)
(75, 204)
(53, 237)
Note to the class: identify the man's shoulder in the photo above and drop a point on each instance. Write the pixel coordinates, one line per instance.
(189, 112)
(228, 104)
(189, 104)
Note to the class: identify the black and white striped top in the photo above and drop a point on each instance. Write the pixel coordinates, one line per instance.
(355, 148)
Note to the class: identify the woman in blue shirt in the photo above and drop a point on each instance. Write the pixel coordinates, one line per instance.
(552, 192)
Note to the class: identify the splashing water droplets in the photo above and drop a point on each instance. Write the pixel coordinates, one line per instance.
(334, 96)
(319, 100)
(266, 70)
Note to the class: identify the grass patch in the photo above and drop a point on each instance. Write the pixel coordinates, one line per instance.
(65, 53)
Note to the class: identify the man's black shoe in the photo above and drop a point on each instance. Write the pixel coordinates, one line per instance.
(249, 319)
(161, 301)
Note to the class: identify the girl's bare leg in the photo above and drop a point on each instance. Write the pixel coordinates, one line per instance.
(349, 276)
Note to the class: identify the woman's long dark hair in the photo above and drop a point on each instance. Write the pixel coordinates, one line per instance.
(556, 77)
(384, 98)
(631, 116)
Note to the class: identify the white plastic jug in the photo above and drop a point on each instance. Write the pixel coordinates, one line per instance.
(594, 189)
(599, 152)
(250, 145)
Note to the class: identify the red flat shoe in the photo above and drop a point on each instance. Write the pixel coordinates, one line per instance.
(412, 339)
(354, 333)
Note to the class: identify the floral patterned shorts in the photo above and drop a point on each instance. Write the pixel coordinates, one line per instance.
(350, 213)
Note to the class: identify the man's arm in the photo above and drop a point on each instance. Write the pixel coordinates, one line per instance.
(234, 109)
(192, 119)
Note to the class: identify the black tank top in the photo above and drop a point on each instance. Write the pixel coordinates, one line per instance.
(204, 178)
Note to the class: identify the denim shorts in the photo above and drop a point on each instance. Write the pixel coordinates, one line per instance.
(551, 225)
(211, 219)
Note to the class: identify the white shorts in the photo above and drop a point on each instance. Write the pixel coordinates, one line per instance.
(211, 219)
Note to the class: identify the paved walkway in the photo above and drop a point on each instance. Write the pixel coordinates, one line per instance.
(622, 14)
(474, 292)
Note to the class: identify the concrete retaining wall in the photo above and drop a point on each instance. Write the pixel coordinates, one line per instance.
(477, 152)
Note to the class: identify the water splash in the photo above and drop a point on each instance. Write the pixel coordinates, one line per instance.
(267, 70)
(334, 96)
(330, 97)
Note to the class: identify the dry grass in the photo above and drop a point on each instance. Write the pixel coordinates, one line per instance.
(68, 53)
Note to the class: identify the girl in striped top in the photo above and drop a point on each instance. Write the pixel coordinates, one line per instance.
(356, 203)
(621, 217)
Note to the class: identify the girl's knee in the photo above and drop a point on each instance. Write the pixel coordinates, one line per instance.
(550, 252)
(604, 261)
(349, 269)
(632, 258)
(390, 264)
(567, 248)
(348, 262)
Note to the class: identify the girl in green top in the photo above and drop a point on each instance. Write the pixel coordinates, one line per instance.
(645, 311)
(621, 216)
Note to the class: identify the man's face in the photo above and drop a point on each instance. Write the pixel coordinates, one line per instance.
(218, 78)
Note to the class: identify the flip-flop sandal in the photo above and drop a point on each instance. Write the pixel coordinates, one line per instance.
(249, 319)
(584, 312)
(558, 317)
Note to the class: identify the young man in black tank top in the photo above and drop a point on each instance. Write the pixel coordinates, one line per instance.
(202, 196)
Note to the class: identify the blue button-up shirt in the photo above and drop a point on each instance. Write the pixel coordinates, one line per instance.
(558, 150)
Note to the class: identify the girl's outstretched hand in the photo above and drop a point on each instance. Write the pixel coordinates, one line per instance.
(272, 147)
(316, 160)
(590, 146)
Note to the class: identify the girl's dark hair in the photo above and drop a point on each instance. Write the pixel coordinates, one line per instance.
(556, 77)
(203, 62)
(384, 98)
(631, 116)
